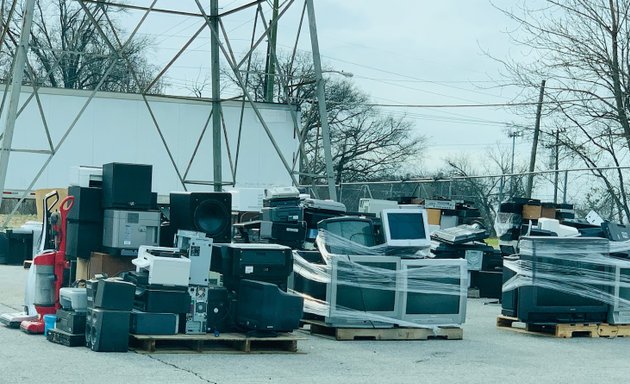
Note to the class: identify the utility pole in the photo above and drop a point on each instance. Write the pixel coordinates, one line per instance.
(216, 96)
(16, 85)
(270, 67)
(556, 150)
(321, 101)
(532, 159)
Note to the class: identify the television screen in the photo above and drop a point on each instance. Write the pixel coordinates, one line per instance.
(430, 302)
(362, 298)
(358, 230)
(566, 263)
(434, 291)
(362, 287)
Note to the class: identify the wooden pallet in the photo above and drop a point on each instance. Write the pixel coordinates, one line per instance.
(565, 330)
(226, 342)
(398, 333)
(611, 330)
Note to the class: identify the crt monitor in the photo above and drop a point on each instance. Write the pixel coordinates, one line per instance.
(557, 258)
(434, 291)
(356, 229)
(264, 307)
(361, 286)
(406, 227)
(620, 309)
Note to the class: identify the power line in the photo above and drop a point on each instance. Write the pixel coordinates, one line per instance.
(485, 105)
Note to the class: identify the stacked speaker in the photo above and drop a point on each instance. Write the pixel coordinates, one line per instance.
(207, 212)
(85, 222)
(282, 218)
(109, 303)
(130, 217)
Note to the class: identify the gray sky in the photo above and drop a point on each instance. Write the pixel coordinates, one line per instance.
(400, 52)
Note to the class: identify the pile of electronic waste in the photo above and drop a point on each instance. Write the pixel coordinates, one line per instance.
(559, 269)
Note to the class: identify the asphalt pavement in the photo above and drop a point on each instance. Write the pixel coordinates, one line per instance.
(485, 355)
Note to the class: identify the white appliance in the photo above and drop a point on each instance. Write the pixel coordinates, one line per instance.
(166, 266)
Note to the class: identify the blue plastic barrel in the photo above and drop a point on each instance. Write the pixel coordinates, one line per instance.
(49, 323)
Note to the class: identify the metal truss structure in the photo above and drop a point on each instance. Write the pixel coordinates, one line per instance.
(221, 51)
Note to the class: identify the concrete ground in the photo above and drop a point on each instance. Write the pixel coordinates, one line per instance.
(485, 355)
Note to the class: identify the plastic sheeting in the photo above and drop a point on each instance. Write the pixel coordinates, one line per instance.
(580, 266)
(383, 282)
(505, 221)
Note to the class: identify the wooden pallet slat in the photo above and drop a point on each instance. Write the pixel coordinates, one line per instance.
(610, 330)
(395, 333)
(561, 330)
(226, 342)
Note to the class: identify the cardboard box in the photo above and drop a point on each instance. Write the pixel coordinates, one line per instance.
(434, 216)
(103, 263)
(548, 212)
(39, 200)
(532, 212)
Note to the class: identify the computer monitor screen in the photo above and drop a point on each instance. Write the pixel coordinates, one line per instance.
(363, 298)
(434, 291)
(355, 229)
(434, 303)
(406, 227)
(362, 286)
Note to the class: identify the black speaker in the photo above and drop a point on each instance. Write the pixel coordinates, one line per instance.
(106, 330)
(83, 238)
(87, 204)
(208, 212)
(127, 186)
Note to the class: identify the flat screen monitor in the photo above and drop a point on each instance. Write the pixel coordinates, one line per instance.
(537, 304)
(406, 227)
(434, 291)
(363, 291)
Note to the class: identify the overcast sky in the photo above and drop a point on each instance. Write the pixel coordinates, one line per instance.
(400, 52)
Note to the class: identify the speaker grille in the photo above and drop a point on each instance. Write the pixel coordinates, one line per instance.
(211, 217)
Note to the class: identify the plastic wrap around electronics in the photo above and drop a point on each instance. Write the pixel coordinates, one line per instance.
(332, 243)
(582, 266)
(358, 286)
(505, 221)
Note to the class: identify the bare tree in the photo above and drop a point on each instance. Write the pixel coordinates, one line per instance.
(67, 50)
(485, 192)
(582, 49)
(367, 144)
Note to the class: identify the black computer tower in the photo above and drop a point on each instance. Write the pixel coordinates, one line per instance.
(221, 310)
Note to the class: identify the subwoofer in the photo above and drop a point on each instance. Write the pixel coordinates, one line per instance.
(208, 212)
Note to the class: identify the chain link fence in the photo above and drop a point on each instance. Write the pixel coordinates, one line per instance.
(603, 190)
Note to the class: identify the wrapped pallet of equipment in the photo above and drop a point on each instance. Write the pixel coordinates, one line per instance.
(350, 285)
(568, 280)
